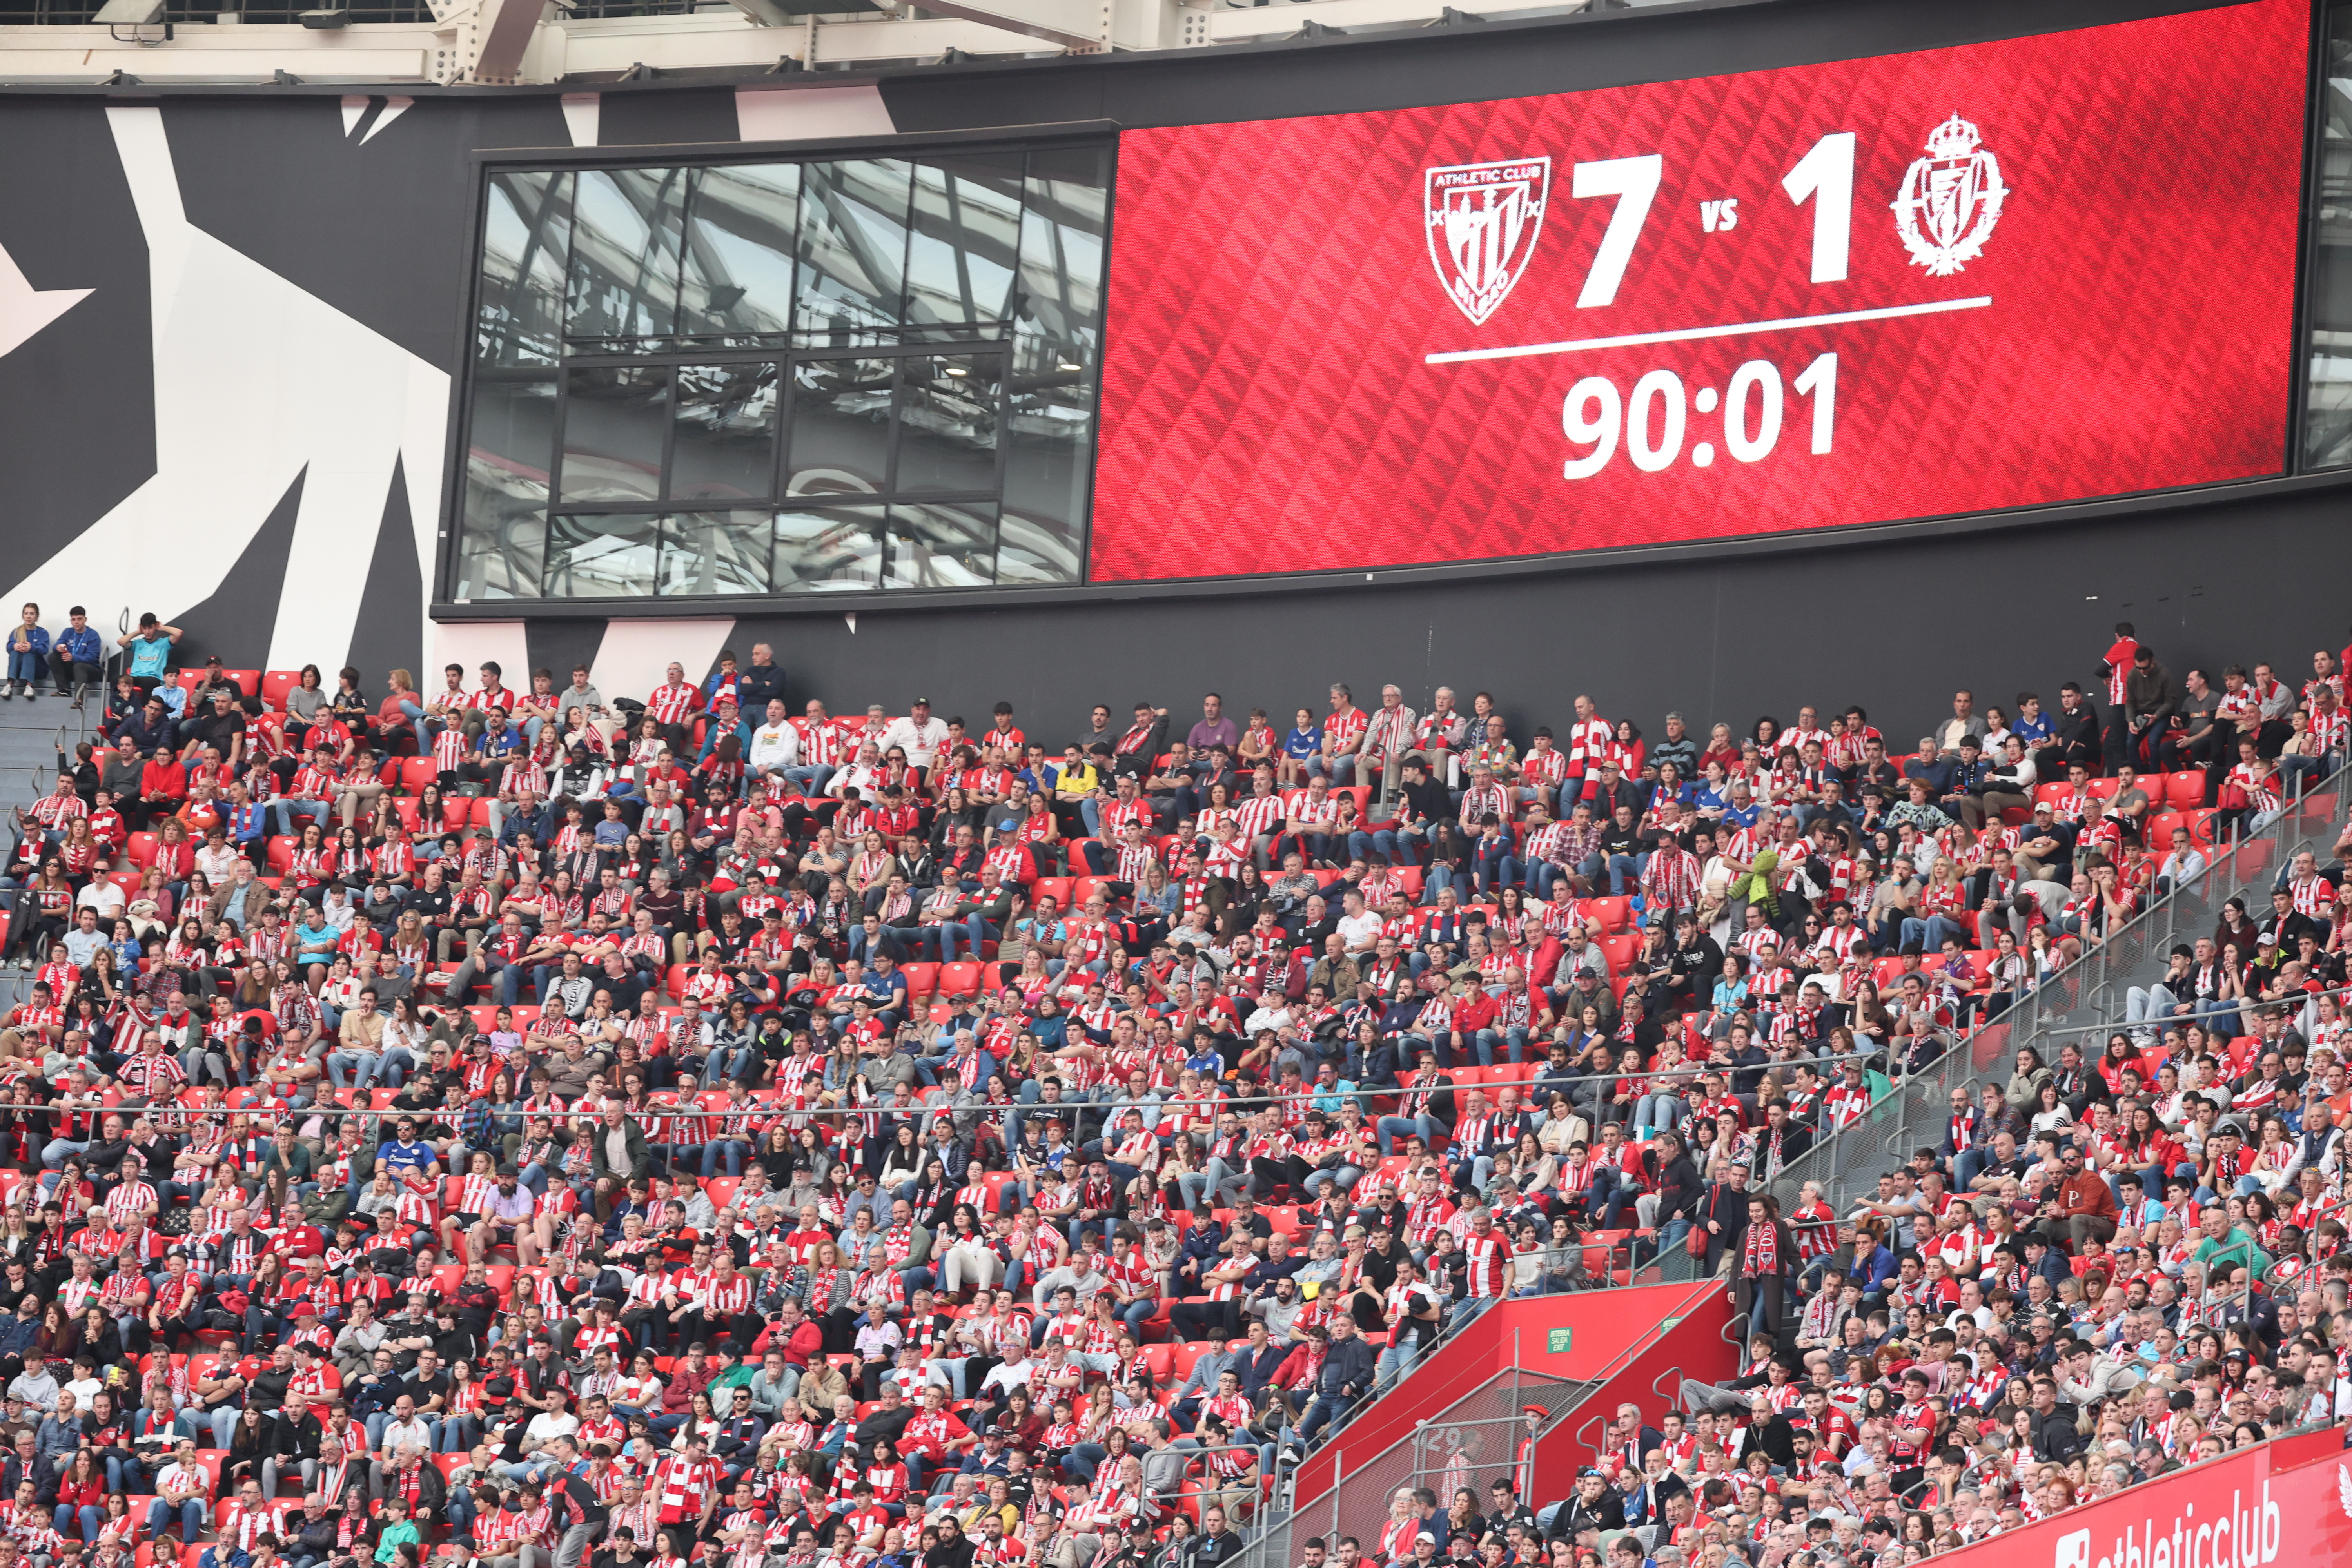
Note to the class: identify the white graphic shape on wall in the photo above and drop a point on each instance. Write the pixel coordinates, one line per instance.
(25, 309)
(256, 381)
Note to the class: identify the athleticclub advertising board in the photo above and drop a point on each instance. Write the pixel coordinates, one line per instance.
(1999, 274)
(2282, 1504)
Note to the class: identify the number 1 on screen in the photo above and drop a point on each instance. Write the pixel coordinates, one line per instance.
(1825, 174)
(1818, 382)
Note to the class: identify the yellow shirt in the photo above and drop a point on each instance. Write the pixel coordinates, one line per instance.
(1075, 783)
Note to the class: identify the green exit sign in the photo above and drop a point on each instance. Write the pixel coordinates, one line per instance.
(1559, 1340)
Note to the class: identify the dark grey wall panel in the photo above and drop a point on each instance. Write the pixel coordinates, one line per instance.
(1460, 64)
(77, 401)
(1889, 627)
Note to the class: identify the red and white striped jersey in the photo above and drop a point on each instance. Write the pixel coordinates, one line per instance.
(670, 703)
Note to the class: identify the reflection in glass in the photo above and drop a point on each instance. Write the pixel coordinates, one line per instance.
(828, 548)
(948, 411)
(624, 250)
(1037, 550)
(1049, 420)
(739, 253)
(509, 449)
(715, 552)
(724, 447)
(526, 241)
(841, 426)
(602, 557)
(614, 419)
(920, 342)
(499, 551)
(944, 545)
(1062, 221)
(853, 244)
(2328, 409)
(966, 239)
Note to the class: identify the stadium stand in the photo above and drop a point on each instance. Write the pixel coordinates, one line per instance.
(501, 1116)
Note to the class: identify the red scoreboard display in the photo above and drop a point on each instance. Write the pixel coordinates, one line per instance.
(1998, 274)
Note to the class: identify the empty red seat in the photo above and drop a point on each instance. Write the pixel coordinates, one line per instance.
(2185, 791)
(959, 979)
(415, 772)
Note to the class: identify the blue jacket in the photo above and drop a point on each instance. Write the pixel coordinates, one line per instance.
(83, 646)
(1873, 1272)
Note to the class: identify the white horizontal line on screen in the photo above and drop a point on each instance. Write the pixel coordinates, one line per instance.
(1693, 334)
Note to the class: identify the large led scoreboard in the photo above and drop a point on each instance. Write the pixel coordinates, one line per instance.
(2001, 274)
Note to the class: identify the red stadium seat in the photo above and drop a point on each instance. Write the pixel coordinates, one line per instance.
(140, 847)
(415, 772)
(1615, 914)
(248, 680)
(2102, 789)
(922, 979)
(405, 808)
(959, 979)
(1619, 951)
(281, 853)
(1058, 888)
(2185, 791)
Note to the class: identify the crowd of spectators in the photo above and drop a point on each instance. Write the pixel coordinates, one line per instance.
(552, 1127)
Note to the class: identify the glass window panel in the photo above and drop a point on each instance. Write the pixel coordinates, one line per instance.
(966, 239)
(828, 549)
(739, 253)
(724, 447)
(948, 406)
(602, 557)
(1049, 431)
(841, 426)
(944, 545)
(853, 244)
(2328, 411)
(614, 420)
(716, 552)
(624, 252)
(509, 449)
(1037, 550)
(1064, 218)
(500, 550)
(526, 243)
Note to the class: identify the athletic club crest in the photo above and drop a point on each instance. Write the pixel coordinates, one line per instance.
(1950, 200)
(1482, 221)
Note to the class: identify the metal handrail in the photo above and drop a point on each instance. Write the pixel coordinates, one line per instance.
(1826, 1152)
(1600, 1380)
